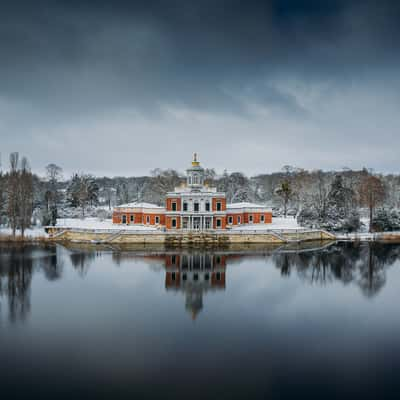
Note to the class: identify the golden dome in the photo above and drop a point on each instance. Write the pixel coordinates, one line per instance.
(195, 163)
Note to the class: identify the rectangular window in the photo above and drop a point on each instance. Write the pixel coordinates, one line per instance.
(250, 219)
(196, 207)
(173, 277)
(219, 206)
(124, 219)
(173, 259)
(239, 220)
(148, 220)
(173, 205)
(207, 206)
(157, 219)
(185, 206)
(218, 276)
(262, 218)
(173, 222)
(219, 223)
(230, 220)
(132, 218)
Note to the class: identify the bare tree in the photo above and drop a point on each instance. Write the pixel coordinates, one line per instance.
(2, 191)
(320, 194)
(372, 193)
(12, 192)
(52, 197)
(25, 196)
(163, 181)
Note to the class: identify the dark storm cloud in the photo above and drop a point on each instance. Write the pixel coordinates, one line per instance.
(81, 54)
(63, 61)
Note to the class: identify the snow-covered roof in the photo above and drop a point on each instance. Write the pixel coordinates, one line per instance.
(244, 204)
(139, 205)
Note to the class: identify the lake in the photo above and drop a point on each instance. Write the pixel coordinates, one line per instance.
(316, 322)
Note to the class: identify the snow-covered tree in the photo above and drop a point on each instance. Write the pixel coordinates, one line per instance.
(285, 192)
(372, 194)
(82, 192)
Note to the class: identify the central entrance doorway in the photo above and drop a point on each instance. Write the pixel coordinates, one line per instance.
(196, 223)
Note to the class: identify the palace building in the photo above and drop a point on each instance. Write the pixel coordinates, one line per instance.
(193, 206)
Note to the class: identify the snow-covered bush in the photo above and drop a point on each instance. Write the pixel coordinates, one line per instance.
(386, 220)
(332, 221)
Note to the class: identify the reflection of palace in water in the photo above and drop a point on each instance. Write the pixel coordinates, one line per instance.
(195, 274)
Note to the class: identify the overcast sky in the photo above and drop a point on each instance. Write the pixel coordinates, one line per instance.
(122, 87)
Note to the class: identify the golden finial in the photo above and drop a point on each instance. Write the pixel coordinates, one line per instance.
(195, 163)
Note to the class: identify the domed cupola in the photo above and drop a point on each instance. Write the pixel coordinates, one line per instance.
(195, 175)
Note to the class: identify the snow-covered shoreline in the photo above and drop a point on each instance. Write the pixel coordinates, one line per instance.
(282, 225)
(31, 234)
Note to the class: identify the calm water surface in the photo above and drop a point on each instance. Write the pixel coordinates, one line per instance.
(251, 323)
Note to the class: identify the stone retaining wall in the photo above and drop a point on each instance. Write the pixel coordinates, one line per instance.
(184, 239)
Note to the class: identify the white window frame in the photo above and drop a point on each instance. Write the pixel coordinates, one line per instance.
(207, 206)
(174, 221)
(176, 206)
(251, 218)
(262, 218)
(157, 219)
(220, 223)
(147, 219)
(230, 220)
(220, 206)
(126, 219)
(239, 219)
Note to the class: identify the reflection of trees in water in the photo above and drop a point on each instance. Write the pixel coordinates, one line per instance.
(52, 267)
(16, 271)
(364, 264)
(17, 265)
(376, 258)
(81, 261)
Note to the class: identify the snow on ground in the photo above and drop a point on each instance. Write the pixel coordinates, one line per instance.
(33, 233)
(96, 223)
(278, 223)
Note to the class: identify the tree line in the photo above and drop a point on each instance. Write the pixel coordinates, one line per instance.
(332, 200)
